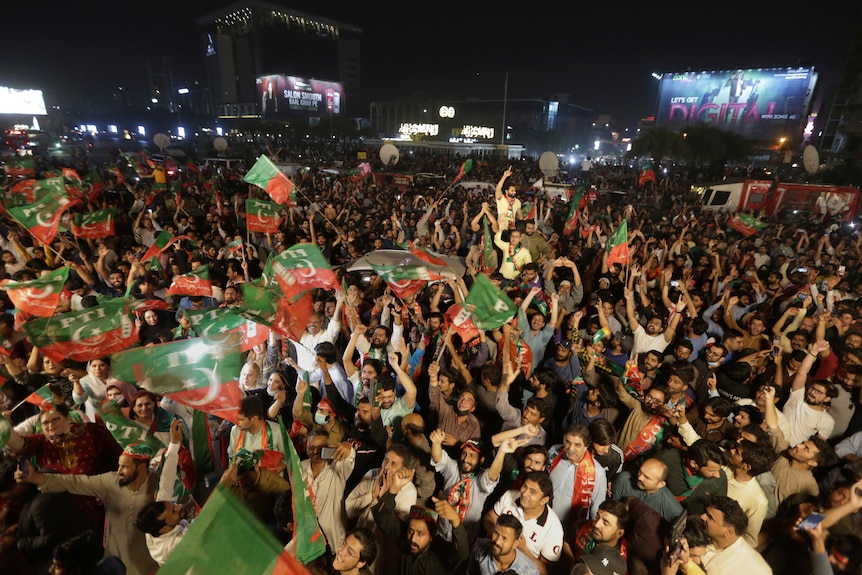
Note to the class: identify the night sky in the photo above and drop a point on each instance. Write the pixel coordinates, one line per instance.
(602, 56)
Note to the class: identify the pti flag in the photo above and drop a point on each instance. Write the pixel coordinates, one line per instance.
(227, 537)
(746, 224)
(618, 245)
(461, 320)
(406, 280)
(489, 307)
(163, 241)
(84, 335)
(200, 363)
(262, 216)
(426, 256)
(5, 431)
(195, 282)
(577, 202)
(40, 296)
(43, 398)
(265, 304)
(42, 217)
(92, 225)
(125, 430)
(300, 268)
(489, 255)
(310, 542)
(264, 174)
(218, 320)
(20, 166)
(465, 167)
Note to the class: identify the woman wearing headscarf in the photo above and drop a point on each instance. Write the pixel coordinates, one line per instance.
(90, 389)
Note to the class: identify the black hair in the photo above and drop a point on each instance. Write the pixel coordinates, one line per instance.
(578, 430)
(695, 532)
(512, 522)
(721, 406)
(826, 456)
(410, 461)
(703, 451)
(543, 480)
(148, 520)
(602, 431)
(369, 545)
(757, 456)
(734, 516)
(618, 509)
(327, 351)
(82, 552)
(251, 406)
(283, 508)
(754, 414)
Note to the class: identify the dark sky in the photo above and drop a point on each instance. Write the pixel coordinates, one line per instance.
(602, 56)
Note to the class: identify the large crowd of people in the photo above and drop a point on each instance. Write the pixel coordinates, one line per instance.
(689, 406)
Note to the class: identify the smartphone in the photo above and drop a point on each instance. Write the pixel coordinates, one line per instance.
(803, 296)
(674, 283)
(776, 345)
(811, 520)
(841, 270)
(23, 468)
(676, 534)
(803, 270)
(327, 452)
(373, 393)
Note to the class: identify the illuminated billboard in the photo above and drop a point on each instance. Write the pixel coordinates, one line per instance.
(281, 95)
(761, 104)
(29, 102)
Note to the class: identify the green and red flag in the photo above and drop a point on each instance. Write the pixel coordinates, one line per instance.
(226, 537)
(43, 398)
(309, 539)
(618, 245)
(406, 280)
(489, 255)
(92, 225)
(87, 334)
(71, 177)
(163, 241)
(92, 184)
(28, 191)
(265, 304)
(461, 320)
(262, 216)
(577, 202)
(300, 268)
(116, 174)
(125, 430)
(195, 282)
(139, 169)
(426, 256)
(489, 307)
(266, 175)
(235, 247)
(465, 168)
(746, 224)
(39, 297)
(20, 166)
(196, 372)
(219, 320)
(42, 217)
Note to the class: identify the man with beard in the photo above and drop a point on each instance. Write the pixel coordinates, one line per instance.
(645, 424)
(845, 371)
(508, 204)
(607, 528)
(314, 334)
(807, 406)
(413, 436)
(124, 493)
(500, 553)
(565, 364)
(458, 423)
(368, 438)
(655, 335)
(466, 487)
(535, 243)
(794, 467)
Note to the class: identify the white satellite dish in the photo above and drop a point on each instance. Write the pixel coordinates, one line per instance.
(389, 154)
(811, 159)
(549, 164)
(220, 144)
(162, 141)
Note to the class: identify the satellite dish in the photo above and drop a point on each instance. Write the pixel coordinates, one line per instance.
(162, 141)
(811, 159)
(220, 144)
(549, 163)
(389, 154)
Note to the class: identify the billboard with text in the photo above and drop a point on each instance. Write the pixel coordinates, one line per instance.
(280, 95)
(24, 102)
(759, 104)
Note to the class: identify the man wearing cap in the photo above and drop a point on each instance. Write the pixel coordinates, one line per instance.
(466, 487)
(571, 294)
(124, 493)
(254, 485)
(421, 552)
(564, 363)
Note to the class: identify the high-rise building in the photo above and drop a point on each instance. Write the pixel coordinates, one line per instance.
(260, 55)
(842, 135)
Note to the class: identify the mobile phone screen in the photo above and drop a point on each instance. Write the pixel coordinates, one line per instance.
(327, 453)
(811, 520)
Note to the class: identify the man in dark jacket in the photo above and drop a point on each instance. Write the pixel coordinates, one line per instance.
(421, 552)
